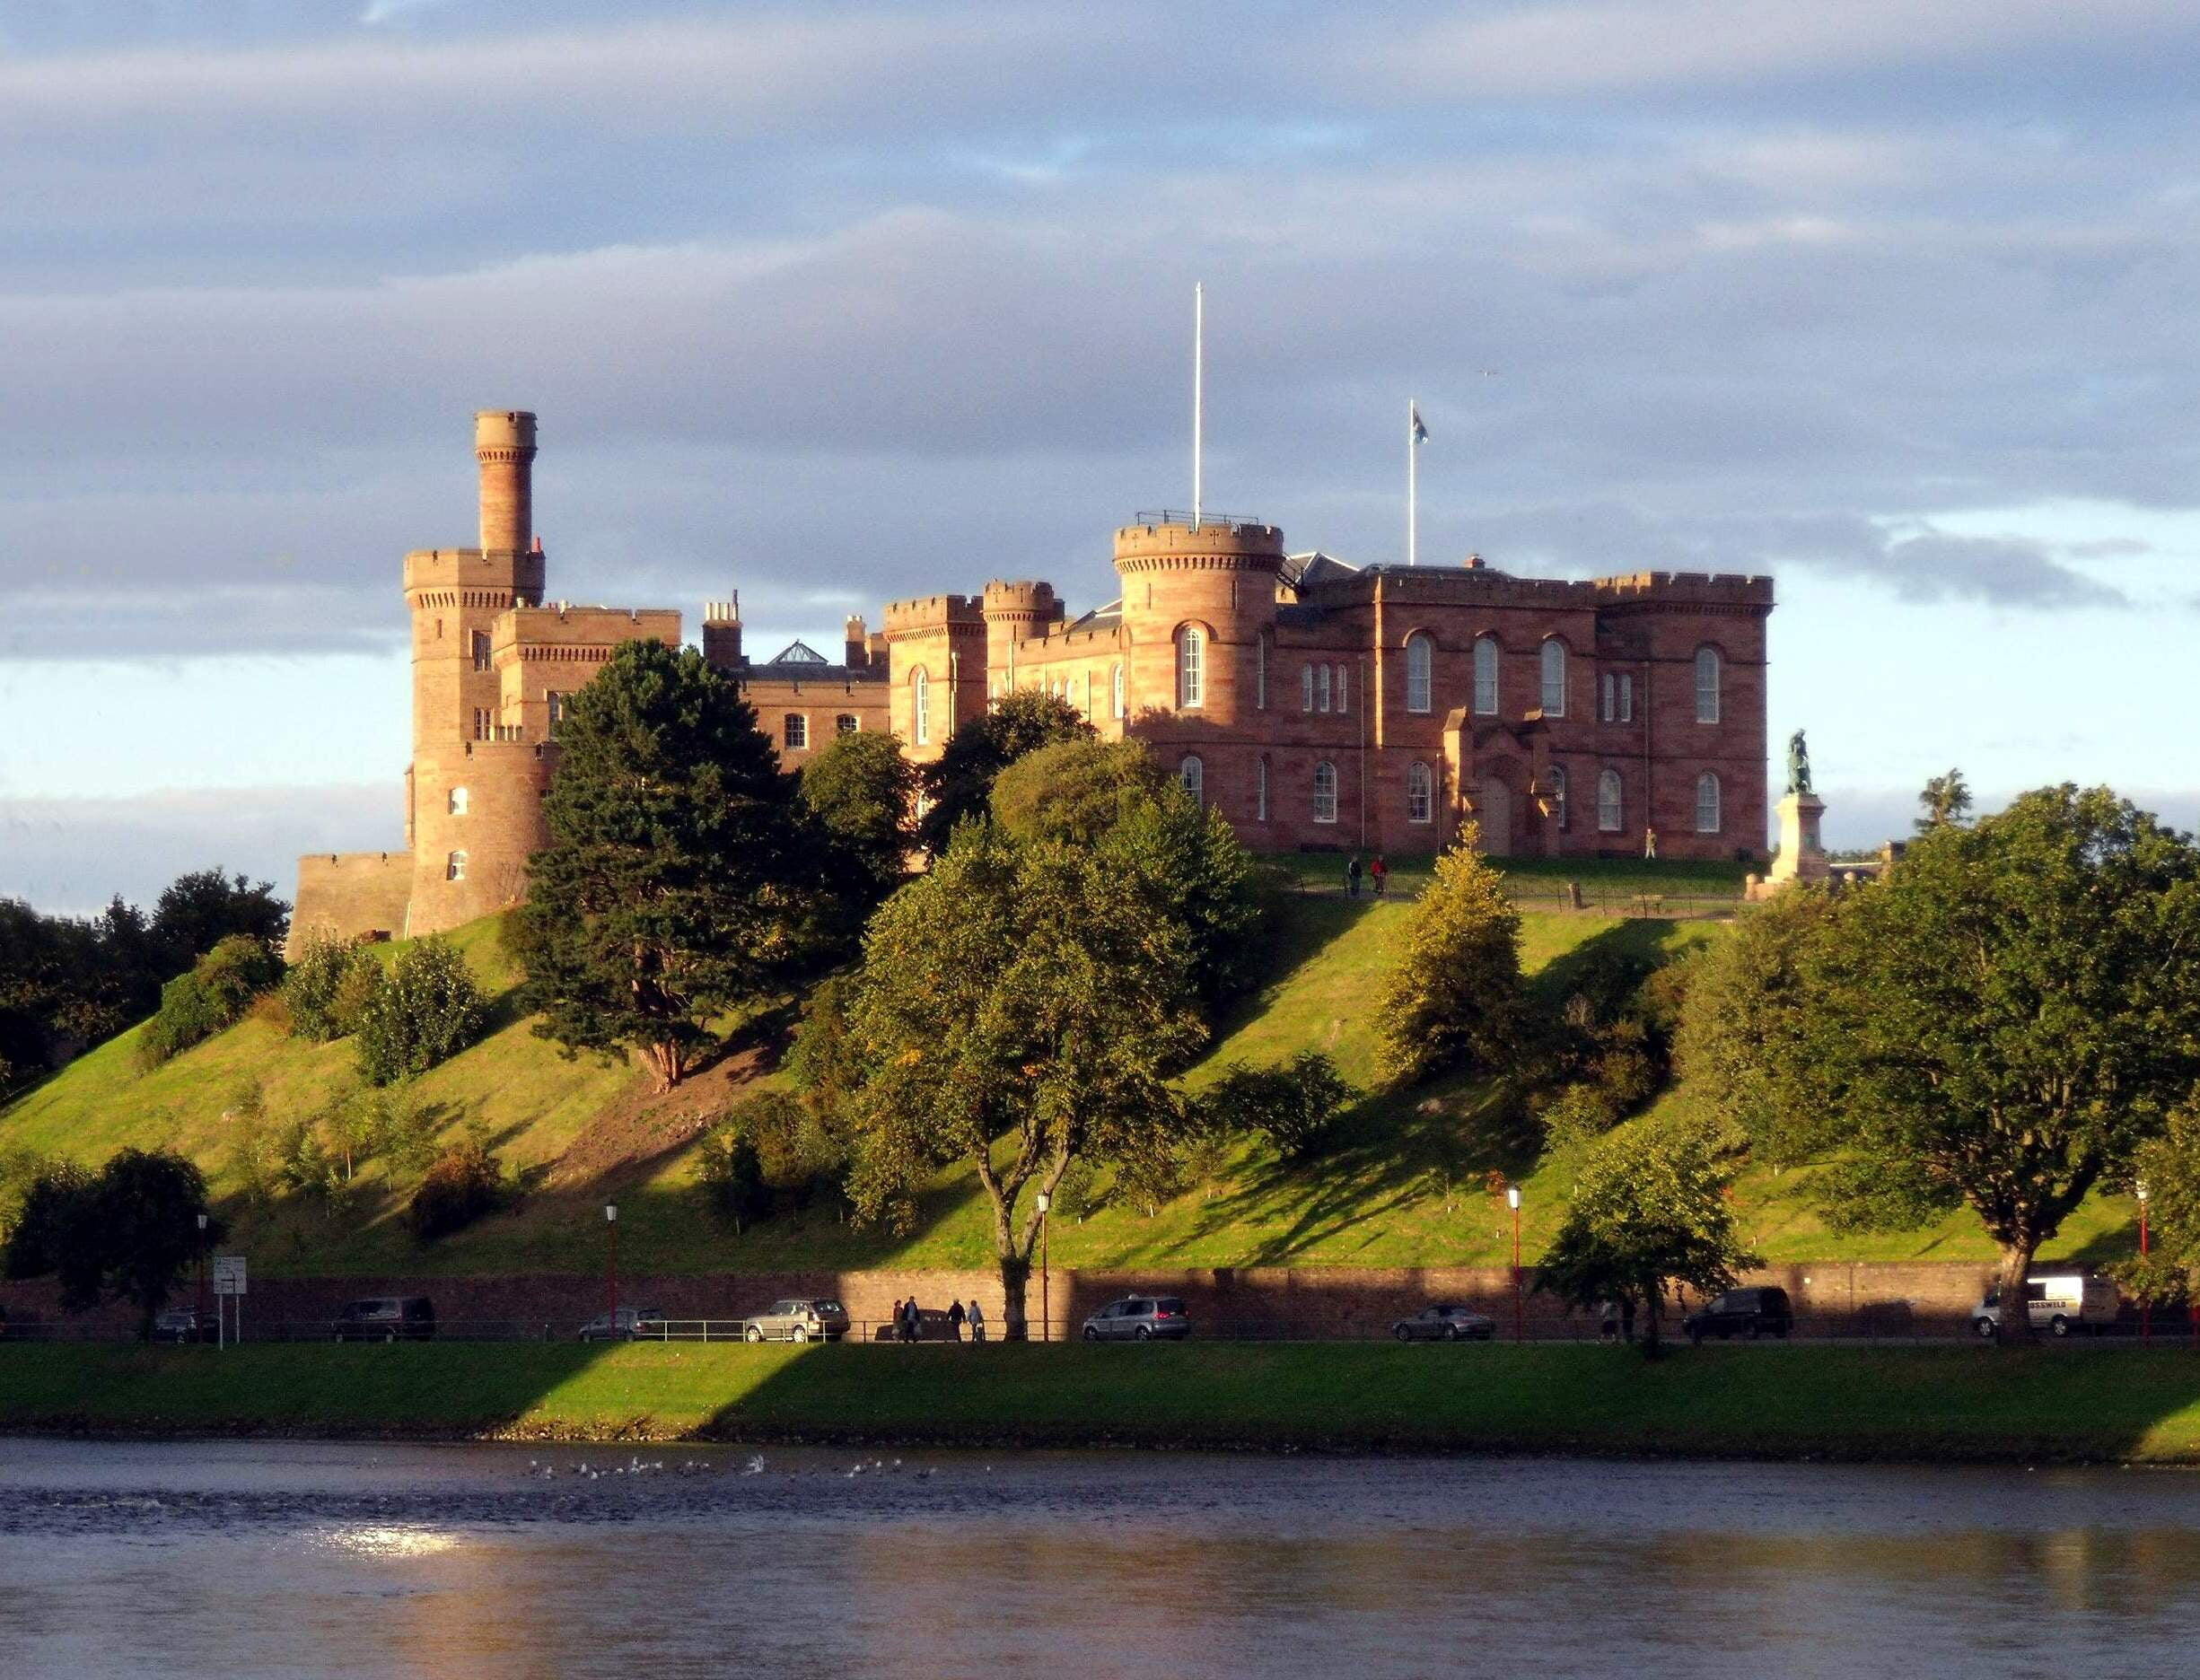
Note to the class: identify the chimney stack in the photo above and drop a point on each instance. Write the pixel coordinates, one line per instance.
(504, 449)
(722, 633)
(858, 643)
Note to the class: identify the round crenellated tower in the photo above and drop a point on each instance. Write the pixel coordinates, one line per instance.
(1014, 611)
(1212, 581)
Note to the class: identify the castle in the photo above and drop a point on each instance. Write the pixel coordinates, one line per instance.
(1314, 704)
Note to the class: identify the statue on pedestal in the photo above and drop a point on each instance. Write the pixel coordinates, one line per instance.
(1798, 765)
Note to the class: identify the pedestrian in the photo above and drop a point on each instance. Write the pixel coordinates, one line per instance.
(910, 1319)
(977, 1322)
(954, 1320)
(1650, 844)
(1352, 876)
(893, 1323)
(1380, 870)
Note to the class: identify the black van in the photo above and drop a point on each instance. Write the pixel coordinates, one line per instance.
(388, 1318)
(1757, 1311)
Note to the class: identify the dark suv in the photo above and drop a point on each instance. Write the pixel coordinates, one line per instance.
(1752, 1313)
(387, 1318)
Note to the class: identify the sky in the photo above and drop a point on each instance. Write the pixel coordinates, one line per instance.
(831, 303)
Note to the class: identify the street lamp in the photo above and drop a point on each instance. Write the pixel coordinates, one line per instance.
(2146, 1310)
(1045, 1292)
(198, 1329)
(610, 1226)
(1520, 1321)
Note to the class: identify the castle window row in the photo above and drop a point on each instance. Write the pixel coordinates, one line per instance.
(1324, 689)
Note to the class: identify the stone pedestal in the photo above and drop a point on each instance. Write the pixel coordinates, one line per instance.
(1802, 855)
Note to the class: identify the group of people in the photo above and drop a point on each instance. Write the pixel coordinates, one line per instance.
(909, 1321)
(1377, 873)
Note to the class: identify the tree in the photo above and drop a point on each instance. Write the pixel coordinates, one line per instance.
(2168, 1167)
(212, 997)
(958, 784)
(1075, 790)
(676, 885)
(321, 1007)
(1453, 999)
(126, 1234)
(426, 1009)
(1296, 1105)
(1649, 1209)
(1945, 799)
(859, 792)
(1019, 1008)
(199, 910)
(465, 1184)
(2005, 1020)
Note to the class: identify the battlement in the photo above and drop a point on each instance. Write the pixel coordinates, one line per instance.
(561, 625)
(512, 572)
(932, 612)
(1686, 588)
(1168, 539)
(1020, 598)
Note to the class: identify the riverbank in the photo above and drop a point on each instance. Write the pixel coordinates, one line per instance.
(1941, 1404)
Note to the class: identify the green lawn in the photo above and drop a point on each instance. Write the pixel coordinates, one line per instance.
(1921, 1404)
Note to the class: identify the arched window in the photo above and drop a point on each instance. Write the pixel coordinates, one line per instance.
(1420, 657)
(1195, 775)
(556, 704)
(1191, 677)
(457, 802)
(920, 707)
(1420, 794)
(796, 733)
(1554, 679)
(454, 866)
(846, 723)
(1707, 803)
(1485, 676)
(1611, 813)
(1344, 690)
(1558, 793)
(1260, 790)
(1707, 685)
(1306, 687)
(1324, 689)
(1114, 690)
(1325, 792)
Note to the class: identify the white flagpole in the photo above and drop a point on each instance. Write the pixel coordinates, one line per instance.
(1199, 396)
(1413, 487)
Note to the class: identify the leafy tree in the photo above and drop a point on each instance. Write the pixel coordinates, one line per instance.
(1649, 1209)
(465, 1185)
(731, 1173)
(126, 1234)
(49, 1204)
(860, 792)
(212, 997)
(1074, 790)
(2005, 1021)
(1453, 998)
(958, 784)
(768, 1150)
(1296, 1107)
(1945, 799)
(327, 986)
(426, 1009)
(676, 885)
(199, 910)
(1019, 1008)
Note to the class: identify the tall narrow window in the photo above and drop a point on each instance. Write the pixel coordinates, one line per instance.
(1191, 676)
(1306, 687)
(481, 650)
(1260, 672)
(454, 866)
(1195, 775)
(1608, 697)
(1420, 794)
(1325, 792)
(846, 723)
(457, 802)
(797, 731)
(555, 703)
(1114, 690)
(1260, 790)
(920, 702)
(1626, 697)
(1420, 653)
(1558, 794)
(1343, 690)
(1485, 676)
(1706, 685)
(1707, 803)
(483, 728)
(1324, 696)
(1611, 815)
(1554, 679)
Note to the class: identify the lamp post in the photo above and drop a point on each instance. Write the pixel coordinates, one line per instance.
(198, 1328)
(1519, 1319)
(2146, 1310)
(610, 1226)
(1045, 1302)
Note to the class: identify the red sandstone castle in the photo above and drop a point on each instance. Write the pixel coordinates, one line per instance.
(1314, 702)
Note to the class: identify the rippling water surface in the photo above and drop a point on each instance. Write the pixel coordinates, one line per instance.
(251, 1559)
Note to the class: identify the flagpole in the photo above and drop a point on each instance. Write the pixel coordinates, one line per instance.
(1413, 486)
(1199, 396)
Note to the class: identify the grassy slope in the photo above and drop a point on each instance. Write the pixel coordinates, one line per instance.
(1407, 1187)
(1909, 1402)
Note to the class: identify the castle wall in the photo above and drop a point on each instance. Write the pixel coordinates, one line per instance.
(478, 818)
(822, 706)
(350, 896)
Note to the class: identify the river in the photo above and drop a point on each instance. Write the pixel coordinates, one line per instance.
(252, 1559)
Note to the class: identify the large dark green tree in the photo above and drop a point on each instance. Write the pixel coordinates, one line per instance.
(2002, 1023)
(958, 784)
(1452, 999)
(128, 1233)
(199, 910)
(861, 793)
(1020, 1008)
(677, 885)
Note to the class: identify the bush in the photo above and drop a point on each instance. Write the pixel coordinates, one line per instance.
(214, 995)
(1295, 1107)
(465, 1184)
(769, 1151)
(1579, 1113)
(425, 1013)
(733, 1176)
(328, 987)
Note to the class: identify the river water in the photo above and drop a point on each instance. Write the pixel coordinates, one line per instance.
(285, 1559)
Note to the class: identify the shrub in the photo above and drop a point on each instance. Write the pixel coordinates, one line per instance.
(186, 1016)
(1579, 1113)
(1295, 1107)
(217, 992)
(1453, 1000)
(328, 987)
(425, 1012)
(732, 1175)
(771, 1149)
(465, 1184)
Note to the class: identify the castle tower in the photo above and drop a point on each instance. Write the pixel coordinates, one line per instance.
(474, 789)
(1013, 612)
(1216, 577)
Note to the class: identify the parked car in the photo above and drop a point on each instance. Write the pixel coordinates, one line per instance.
(802, 1318)
(2061, 1303)
(1139, 1318)
(646, 1322)
(387, 1318)
(1444, 1324)
(182, 1325)
(1757, 1311)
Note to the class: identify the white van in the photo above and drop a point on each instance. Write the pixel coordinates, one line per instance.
(2062, 1303)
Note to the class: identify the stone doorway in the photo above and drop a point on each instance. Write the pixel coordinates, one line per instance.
(1493, 812)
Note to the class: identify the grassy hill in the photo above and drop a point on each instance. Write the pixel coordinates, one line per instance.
(1407, 1186)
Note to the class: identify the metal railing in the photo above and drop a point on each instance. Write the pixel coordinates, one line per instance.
(1203, 520)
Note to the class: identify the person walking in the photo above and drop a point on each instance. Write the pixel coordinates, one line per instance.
(909, 1319)
(1650, 845)
(893, 1323)
(977, 1322)
(1380, 872)
(1352, 876)
(954, 1320)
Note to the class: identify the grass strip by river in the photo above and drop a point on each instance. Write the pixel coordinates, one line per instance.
(2060, 1403)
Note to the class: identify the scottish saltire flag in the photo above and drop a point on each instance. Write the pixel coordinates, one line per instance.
(1420, 432)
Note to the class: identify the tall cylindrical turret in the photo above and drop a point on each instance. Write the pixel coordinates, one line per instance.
(504, 446)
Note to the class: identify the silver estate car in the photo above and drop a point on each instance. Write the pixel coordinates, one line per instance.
(803, 1318)
(644, 1324)
(1444, 1324)
(1140, 1318)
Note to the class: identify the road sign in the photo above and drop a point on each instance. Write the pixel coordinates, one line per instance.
(229, 1274)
